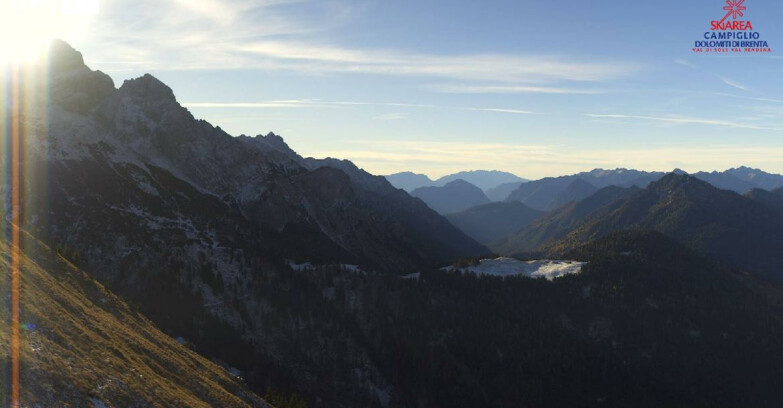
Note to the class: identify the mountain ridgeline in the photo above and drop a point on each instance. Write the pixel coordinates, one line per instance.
(483, 179)
(551, 192)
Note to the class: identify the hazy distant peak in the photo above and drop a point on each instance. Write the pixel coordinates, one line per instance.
(408, 181)
(459, 183)
(408, 173)
(483, 179)
(601, 172)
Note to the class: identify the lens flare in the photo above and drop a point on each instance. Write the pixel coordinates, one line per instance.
(27, 29)
(28, 26)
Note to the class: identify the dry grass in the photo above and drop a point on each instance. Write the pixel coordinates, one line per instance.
(81, 343)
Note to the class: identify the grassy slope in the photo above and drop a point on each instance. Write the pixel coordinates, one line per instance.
(87, 345)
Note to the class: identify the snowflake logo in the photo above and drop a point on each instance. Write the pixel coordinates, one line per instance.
(734, 9)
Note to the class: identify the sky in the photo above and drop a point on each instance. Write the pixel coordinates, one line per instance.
(536, 88)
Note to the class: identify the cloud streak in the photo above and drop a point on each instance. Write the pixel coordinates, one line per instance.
(511, 89)
(316, 103)
(684, 121)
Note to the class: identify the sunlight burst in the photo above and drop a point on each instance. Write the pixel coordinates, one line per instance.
(28, 26)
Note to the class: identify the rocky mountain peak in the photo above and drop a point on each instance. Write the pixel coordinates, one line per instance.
(674, 181)
(147, 87)
(63, 57)
(73, 86)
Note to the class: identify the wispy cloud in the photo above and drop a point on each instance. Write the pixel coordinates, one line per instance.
(477, 67)
(317, 103)
(392, 116)
(510, 89)
(499, 110)
(275, 35)
(293, 103)
(685, 121)
(751, 98)
(686, 63)
(734, 84)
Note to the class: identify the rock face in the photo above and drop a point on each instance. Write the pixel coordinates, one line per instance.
(189, 223)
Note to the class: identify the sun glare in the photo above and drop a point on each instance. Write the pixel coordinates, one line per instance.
(28, 26)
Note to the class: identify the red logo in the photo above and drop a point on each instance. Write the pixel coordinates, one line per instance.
(734, 9)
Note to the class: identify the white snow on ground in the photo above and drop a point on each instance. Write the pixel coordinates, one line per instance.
(548, 269)
(299, 267)
(96, 403)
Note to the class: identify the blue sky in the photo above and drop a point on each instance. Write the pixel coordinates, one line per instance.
(536, 88)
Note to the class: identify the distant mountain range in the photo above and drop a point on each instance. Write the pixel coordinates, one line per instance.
(483, 179)
(553, 192)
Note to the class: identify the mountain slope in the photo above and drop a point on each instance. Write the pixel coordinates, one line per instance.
(83, 346)
(453, 197)
(770, 199)
(543, 194)
(714, 222)
(557, 224)
(576, 191)
(501, 192)
(493, 221)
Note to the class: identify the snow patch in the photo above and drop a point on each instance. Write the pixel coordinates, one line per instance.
(299, 267)
(548, 269)
(96, 403)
